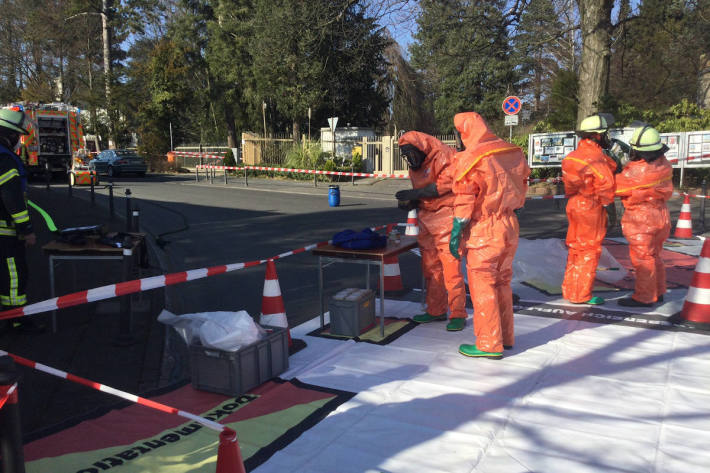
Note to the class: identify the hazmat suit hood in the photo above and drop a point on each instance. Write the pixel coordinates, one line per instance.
(427, 144)
(474, 129)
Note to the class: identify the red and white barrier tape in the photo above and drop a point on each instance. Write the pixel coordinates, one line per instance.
(306, 171)
(145, 284)
(699, 196)
(7, 394)
(337, 173)
(116, 392)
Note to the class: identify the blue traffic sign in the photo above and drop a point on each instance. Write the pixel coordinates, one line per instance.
(511, 105)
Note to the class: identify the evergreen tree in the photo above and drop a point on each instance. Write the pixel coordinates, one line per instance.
(463, 50)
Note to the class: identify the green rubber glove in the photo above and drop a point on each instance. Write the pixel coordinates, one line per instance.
(455, 238)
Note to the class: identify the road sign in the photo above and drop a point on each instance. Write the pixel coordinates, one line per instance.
(333, 122)
(511, 105)
(511, 120)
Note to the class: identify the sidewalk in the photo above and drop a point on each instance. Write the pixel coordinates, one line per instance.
(85, 343)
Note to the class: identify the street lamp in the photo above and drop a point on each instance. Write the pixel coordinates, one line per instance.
(263, 114)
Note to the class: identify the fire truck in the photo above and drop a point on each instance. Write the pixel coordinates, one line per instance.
(55, 135)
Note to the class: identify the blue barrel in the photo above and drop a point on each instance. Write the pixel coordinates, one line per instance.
(334, 196)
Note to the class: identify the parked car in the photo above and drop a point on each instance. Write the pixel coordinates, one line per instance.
(118, 161)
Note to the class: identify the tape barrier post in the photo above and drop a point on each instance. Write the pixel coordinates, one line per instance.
(136, 219)
(47, 173)
(702, 204)
(225, 175)
(13, 457)
(125, 324)
(129, 211)
(93, 195)
(110, 199)
(197, 173)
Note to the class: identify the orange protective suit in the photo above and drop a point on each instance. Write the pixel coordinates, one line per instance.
(445, 288)
(588, 175)
(644, 189)
(490, 183)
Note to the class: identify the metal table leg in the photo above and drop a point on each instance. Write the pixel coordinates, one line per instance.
(320, 290)
(382, 298)
(52, 292)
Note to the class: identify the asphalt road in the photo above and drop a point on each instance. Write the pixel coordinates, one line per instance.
(201, 224)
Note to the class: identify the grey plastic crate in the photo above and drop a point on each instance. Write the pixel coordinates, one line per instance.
(234, 373)
(351, 311)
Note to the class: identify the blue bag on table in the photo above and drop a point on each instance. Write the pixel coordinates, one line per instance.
(363, 240)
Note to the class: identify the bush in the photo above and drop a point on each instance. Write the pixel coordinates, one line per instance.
(229, 159)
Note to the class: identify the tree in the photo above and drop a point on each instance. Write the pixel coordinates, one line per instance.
(326, 55)
(660, 55)
(230, 62)
(410, 104)
(463, 50)
(596, 26)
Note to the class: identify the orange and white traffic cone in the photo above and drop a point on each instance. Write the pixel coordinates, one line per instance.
(684, 226)
(696, 307)
(229, 458)
(392, 275)
(412, 223)
(273, 311)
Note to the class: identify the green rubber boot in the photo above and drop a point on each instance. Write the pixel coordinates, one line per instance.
(456, 324)
(596, 301)
(426, 318)
(472, 351)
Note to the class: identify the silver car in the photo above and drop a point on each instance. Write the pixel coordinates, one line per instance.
(118, 161)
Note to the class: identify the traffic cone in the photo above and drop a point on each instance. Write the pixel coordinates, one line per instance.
(684, 226)
(273, 311)
(696, 307)
(392, 276)
(412, 224)
(229, 458)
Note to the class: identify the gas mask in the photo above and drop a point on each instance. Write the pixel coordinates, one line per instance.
(459, 143)
(10, 139)
(414, 157)
(604, 140)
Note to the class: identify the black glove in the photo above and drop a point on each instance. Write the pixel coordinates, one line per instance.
(415, 194)
(611, 214)
(408, 204)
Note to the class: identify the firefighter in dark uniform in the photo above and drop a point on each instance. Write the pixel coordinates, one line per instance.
(15, 226)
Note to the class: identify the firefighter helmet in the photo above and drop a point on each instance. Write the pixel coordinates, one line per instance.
(14, 120)
(646, 138)
(597, 123)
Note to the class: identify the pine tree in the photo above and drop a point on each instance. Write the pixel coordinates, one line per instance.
(462, 49)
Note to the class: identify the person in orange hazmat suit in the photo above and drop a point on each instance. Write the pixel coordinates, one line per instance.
(431, 169)
(645, 185)
(588, 176)
(490, 183)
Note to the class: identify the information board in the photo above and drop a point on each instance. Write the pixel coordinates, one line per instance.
(549, 149)
(674, 141)
(698, 147)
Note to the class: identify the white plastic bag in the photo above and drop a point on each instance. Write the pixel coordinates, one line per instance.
(228, 331)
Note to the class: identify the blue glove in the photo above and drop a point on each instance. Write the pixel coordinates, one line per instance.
(455, 238)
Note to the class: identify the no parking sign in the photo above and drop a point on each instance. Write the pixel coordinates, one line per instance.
(511, 105)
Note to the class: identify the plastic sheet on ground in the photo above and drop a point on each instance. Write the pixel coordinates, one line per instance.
(226, 331)
(570, 396)
(544, 261)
